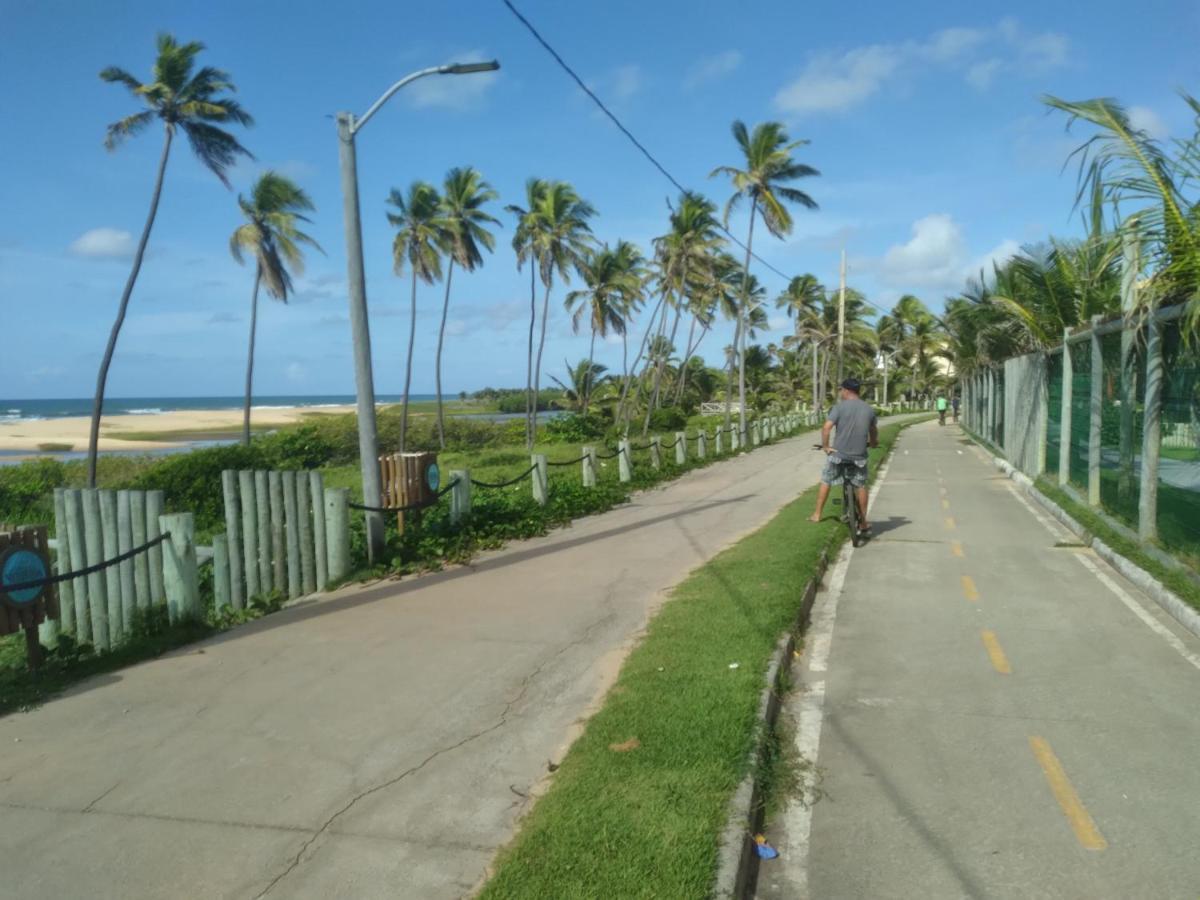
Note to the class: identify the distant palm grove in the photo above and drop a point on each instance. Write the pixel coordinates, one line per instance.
(661, 302)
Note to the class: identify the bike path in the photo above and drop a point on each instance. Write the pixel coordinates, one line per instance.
(986, 709)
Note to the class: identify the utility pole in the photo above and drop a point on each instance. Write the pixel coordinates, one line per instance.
(842, 322)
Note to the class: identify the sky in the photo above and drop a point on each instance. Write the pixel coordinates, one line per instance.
(935, 152)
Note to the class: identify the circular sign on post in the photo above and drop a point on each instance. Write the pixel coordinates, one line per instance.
(433, 477)
(19, 565)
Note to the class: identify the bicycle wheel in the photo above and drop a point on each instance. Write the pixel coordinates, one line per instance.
(851, 503)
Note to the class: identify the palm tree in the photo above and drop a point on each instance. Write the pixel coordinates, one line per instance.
(422, 236)
(184, 100)
(767, 156)
(554, 232)
(271, 236)
(614, 282)
(464, 194)
(582, 378)
(523, 245)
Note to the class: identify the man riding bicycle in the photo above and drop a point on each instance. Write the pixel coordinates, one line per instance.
(857, 430)
(954, 405)
(941, 409)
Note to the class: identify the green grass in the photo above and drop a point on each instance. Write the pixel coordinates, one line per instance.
(1183, 454)
(52, 447)
(645, 822)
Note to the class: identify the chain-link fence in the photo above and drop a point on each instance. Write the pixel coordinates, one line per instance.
(1179, 446)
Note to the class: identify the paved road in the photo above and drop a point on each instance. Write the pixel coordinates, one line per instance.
(991, 711)
(377, 744)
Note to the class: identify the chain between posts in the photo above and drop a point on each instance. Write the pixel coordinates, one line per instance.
(412, 507)
(90, 570)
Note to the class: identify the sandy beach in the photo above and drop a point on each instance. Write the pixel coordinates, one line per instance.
(27, 435)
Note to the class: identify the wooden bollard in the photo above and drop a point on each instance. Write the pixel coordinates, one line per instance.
(293, 534)
(112, 575)
(262, 496)
(337, 532)
(154, 511)
(308, 568)
(541, 487)
(656, 452)
(460, 495)
(233, 532)
(701, 445)
(73, 501)
(248, 497)
(220, 572)
(589, 466)
(141, 562)
(66, 589)
(680, 448)
(94, 543)
(316, 490)
(181, 577)
(125, 571)
(625, 460)
(278, 550)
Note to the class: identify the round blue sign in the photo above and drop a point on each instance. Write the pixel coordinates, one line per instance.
(17, 566)
(433, 477)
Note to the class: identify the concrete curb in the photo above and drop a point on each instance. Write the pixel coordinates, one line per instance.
(736, 870)
(1179, 609)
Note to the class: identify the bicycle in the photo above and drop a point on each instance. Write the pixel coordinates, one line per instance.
(941, 417)
(849, 502)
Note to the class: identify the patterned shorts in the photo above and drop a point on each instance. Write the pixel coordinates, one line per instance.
(832, 473)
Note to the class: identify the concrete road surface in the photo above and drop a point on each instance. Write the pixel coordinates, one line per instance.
(377, 744)
(990, 710)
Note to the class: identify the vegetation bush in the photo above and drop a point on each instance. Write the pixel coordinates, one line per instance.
(574, 428)
(669, 418)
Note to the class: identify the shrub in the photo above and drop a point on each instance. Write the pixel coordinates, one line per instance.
(574, 428)
(669, 418)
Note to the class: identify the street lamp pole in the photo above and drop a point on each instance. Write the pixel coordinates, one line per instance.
(364, 380)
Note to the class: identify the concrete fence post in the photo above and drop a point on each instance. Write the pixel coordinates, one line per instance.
(701, 445)
(337, 532)
(1064, 445)
(125, 570)
(220, 572)
(154, 510)
(292, 529)
(278, 551)
(625, 459)
(181, 578)
(66, 590)
(1096, 411)
(233, 531)
(734, 438)
(316, 490)
(680, 448)
(589, 466)
(97, 594)
(541, 487)
(460, 495)
(656, 452)
(308, 569)
(112, 575)
(73, 503)
(262, 496)
(249, 546)
(719, 433)
(1151, 433)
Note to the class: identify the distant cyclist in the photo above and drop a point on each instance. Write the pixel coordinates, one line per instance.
(857, 430)
(954, 403)
(941, 408)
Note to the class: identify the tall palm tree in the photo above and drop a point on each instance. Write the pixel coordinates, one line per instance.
(554, 232)
(181, 98)
(464, 193)
(271, 236)
(583, 377)
(614, 282)
(422, 236)
(767, 157)
(523, 245)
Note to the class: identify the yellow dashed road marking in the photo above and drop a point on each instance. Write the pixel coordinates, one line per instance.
(996, 653)
(969, 589)
(950, 523)
(945, 504)
(956, 548)
(1085, 829)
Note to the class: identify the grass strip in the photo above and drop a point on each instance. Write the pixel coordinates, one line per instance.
(638, 803)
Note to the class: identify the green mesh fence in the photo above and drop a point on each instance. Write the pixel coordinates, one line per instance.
(1054, 366)
(999, 436)
(1081, 411)
(1122, 398)
(1179, 453)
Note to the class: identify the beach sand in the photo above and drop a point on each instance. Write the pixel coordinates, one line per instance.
(27, 435)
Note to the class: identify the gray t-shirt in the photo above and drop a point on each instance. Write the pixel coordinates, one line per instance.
(852, 420)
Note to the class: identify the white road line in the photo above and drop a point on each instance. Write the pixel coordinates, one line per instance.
(1058, 531)
(1138, 610)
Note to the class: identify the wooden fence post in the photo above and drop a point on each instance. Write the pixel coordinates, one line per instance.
(308, 570)
(249, 545)
(181, 579)
(141, 562)
(656, 452)
(220, 572)
(680, 448)
(293, 534)
(125, 572)
(262, 496)
(233, 532)
(73, 502)
(337, 532)
(589, 466)
(66, 593)
(625, 459)
(540, 475)
(460, 494)
(154, 511)
(316, 490)
(701, 445)
(93, 539)
(278, 553)
(112, 575)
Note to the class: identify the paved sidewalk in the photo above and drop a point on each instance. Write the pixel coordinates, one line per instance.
(377, 744)
(991, 710)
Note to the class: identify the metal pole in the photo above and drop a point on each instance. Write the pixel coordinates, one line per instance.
(842, 321)
(364, 380)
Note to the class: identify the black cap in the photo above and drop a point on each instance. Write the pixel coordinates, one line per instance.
(852, 384)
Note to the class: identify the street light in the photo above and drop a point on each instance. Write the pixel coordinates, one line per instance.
(364, 380)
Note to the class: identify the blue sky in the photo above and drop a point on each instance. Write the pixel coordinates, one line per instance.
(936, 156)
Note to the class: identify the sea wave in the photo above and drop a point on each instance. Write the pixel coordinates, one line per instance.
(153, 411)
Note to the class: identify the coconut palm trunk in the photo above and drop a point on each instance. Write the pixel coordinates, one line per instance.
(622, 408)
(650, 361)
(587, 388)
(737, 332)
(412, 335)
(742, 313)
(250, 357)
(437, 369)
(537, 368)
(102, 377)
(683, 367)
(530, 399)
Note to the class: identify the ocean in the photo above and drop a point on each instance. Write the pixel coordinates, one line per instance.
(25, 410)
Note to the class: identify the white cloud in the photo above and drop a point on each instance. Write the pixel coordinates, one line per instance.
(1148, 121)
(998, 255)
(456, 327)
(832, 82)
(712, 68)
(779, 323)
(103, 243)
(936, 257)
(295, 372)
(455, 92)
(626, 81)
